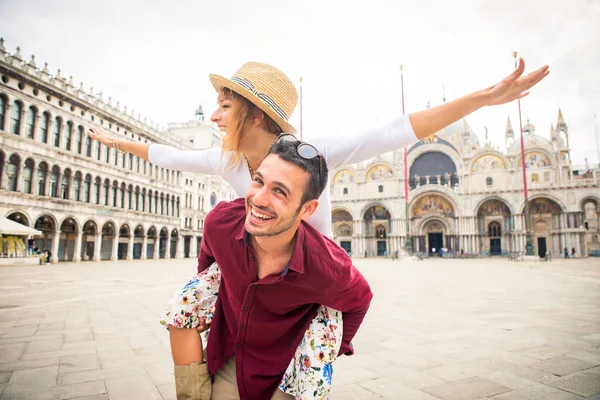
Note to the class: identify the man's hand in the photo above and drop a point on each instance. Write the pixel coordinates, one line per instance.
(202, 326)
(515, 86)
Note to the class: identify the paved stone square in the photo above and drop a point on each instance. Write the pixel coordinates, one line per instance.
(437, 329)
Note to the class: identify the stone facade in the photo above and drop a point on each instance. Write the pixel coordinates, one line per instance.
(91, 202)
(468, 197)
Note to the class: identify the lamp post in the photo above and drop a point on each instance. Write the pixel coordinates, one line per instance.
(528, 239)
(407, 242)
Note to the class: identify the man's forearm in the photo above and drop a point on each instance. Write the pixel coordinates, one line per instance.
(429, 121)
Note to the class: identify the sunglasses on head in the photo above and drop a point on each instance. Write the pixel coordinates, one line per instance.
(304, 150)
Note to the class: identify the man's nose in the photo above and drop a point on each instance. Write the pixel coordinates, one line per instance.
(261, 198)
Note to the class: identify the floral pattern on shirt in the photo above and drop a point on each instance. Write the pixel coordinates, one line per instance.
(310, 371)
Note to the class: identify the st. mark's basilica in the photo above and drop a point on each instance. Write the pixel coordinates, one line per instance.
(89, 202)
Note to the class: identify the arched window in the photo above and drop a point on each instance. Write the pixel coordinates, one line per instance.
(177, 215)
(130, 197)
(65, 184)
(87, 185)
(12, 173)
(16, 118)
(130, 162)
(172, 206)
(54, 182)
(105, 192)
(41, 178)
(44, 128)
(97, 184)
(143, 200)
(380, 188)
(122, 195)
(494, 229)
(108, 153)
(115, 191)
(30, 123)
(79, 139)
(136, 202)
(2, 111)
(56, 131)
(27, 176)
(150, 201)
(489, 181)
(345, 191)
(68, 136)
(381, 232)
(88, 145)
(77, 187)
(99, 151)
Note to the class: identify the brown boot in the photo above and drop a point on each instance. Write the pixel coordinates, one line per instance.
(192, 382)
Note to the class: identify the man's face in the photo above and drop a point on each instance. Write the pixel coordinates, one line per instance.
(273, 199)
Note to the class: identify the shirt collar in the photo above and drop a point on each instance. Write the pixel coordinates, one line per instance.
(296, 263)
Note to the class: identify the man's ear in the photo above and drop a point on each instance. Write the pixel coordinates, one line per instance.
(308, 209)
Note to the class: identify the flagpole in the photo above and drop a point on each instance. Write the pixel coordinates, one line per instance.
(300, 108)
(528, 239)
(408, 240)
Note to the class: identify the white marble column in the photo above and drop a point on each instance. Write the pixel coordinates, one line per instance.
(77, 253)
(168, 248)
(114, 255)
(179, 252)
(144, 248)
(130, 248)
(98, 247)
(155, 254)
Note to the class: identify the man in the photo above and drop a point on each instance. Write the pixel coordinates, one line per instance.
(276, 271)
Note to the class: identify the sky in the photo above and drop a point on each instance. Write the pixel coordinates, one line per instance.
(155, 57)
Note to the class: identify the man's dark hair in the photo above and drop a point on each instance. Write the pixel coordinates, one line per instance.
(316, 167)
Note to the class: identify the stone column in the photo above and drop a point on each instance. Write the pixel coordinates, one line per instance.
(55, 243)
(144, 247)
(3, 175)
(20, 168)
(155, 254)
(71, 194)
(114, 255)
(179, 252)
(130, 248)
(97, 247)
(168, 248)
(77, 253)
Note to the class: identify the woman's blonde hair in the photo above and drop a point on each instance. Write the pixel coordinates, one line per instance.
(243, 119)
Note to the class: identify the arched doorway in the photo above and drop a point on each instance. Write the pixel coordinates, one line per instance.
(88, 240)
(495, 235)
(545, 222)
(19, 218)
(124, 235)
(434, 234)
(138, 242)
(591, 222)
(493, 221)
(174, 241)
(151, 242)
(377, 220)
(162, 243)
(68, 240)
(108, 237)
(47, 226)
(342, 229)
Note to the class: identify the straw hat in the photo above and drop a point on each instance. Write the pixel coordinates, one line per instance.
(266, 87)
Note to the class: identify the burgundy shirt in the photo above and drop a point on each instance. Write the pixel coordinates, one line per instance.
(261, 322)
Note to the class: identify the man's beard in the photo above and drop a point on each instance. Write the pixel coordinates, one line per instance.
(279, 228)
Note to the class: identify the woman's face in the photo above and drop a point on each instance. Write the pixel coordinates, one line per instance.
(225, 112)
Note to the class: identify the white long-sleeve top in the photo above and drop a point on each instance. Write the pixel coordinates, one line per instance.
(337, 152)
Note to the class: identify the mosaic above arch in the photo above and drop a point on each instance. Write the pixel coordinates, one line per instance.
(379, 172)
(344, 176)
(341, 215)
(535, 159)
(487, 163)
(377, 212)
(433, 204)
(493, 207)
(544, 206)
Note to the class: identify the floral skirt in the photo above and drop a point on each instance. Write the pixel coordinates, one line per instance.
(309, 373)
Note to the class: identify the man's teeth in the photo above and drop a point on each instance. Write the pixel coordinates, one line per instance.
(260, 215)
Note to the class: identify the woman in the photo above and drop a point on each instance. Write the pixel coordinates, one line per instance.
(254, 107)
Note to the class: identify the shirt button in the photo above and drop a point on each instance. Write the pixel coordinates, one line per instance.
(237, 346)
(245, 308)
(251, 258)
(241, 327)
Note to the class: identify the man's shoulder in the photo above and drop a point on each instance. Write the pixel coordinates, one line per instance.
(325, 253)
(225, 214)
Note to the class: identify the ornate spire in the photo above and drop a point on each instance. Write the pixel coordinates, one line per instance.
(45, 70)
(510, 133)
(2, 49)
(560, 123)
(32, 62)
(17, 55)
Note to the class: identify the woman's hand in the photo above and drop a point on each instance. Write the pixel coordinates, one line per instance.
(101, 136)
(515, 86)
(202, 325)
